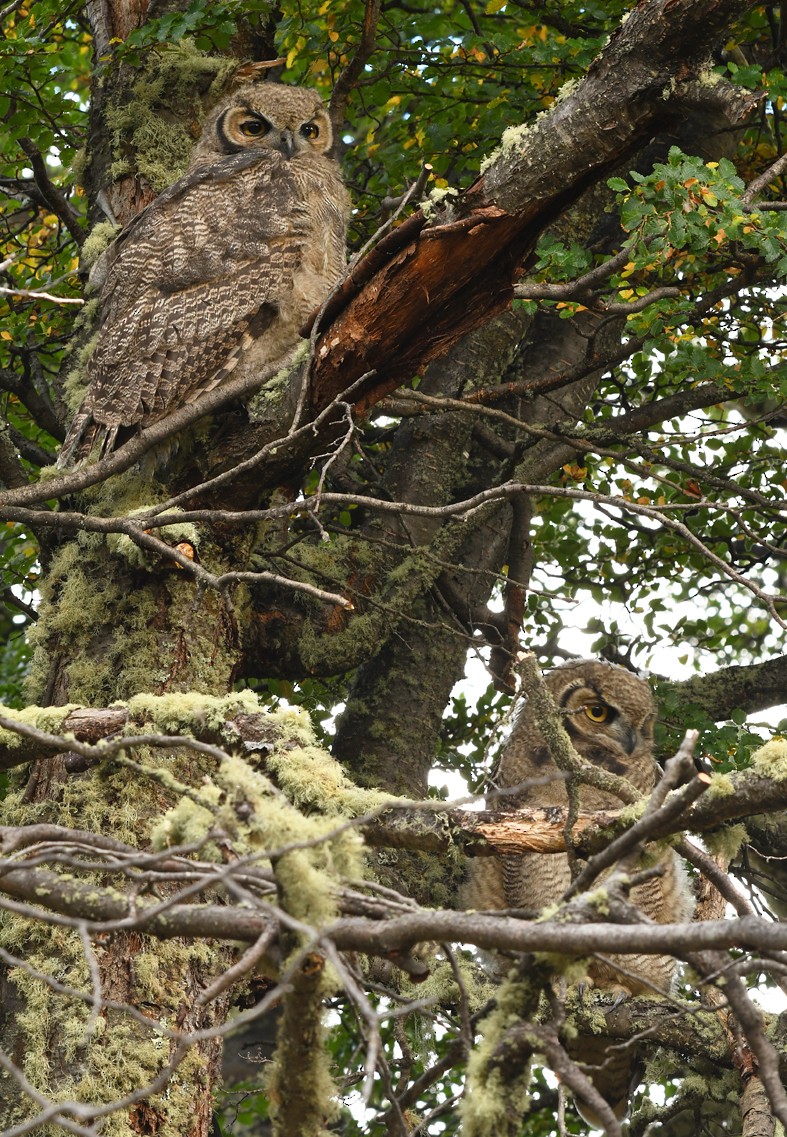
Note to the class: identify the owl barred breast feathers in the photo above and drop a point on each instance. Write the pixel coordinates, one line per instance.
(223, 267)
(609, 716)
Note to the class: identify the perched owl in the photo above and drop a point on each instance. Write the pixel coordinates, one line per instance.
(223, 268)
(609, 715)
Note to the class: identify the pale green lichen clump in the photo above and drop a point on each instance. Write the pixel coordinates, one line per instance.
(308, 805)
(771, 760)
(490, 1101)
(721, 785)
(180, 712)
(47, 719)
(436, 199)
(513, 138)
(301, 819)
(139, 555)
(727, 841)
(97, 242)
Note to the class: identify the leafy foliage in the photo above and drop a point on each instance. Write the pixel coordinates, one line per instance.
(656, 544)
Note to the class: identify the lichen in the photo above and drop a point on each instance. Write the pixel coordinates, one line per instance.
(75, 611)
(721, 785)
(47, 719)
(185, 712)
(186, 823)
(442, 988)
(770, 760)
(97, 242)
(120, 1055)
(261, 405)
(138, 555)
(437, 199)
(513, 138)
(490, 1102)
(161, 119)
(302, 1094)
(726, 842)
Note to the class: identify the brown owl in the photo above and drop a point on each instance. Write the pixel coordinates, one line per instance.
(608, 714)
(223, 267)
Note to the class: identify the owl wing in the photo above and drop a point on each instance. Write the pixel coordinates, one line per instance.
(195, 278)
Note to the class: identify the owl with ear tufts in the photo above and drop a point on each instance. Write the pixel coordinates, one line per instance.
(223, 268)
(609, 715)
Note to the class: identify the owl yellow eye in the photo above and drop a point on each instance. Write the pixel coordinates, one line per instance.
(597, 712)
(310, 130)
(252, 127)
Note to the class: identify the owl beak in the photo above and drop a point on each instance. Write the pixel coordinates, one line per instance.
(630, 740)
(286, 143)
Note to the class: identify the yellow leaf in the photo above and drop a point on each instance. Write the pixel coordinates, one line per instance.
(495, 6)
(333, 36)
(6, 335)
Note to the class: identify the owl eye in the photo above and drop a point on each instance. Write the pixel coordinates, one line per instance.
(597, 712)
(310, 130)
(253, 127)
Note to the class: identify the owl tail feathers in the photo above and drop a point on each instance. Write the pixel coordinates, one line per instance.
(83, 434)
(614, 1072)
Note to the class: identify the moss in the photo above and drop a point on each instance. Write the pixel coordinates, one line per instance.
(97, 242)
(721, 785)
(184, 824)
(491, 1103)
(436, 200)
(260, 406)
(185, 712)
(770, 760)
(160, 121)
(47, 719)
(513, 138)
(727, 841)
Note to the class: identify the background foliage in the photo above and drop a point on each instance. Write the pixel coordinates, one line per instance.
(622, 568)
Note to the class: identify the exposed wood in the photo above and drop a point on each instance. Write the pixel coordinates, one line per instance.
(452, 276)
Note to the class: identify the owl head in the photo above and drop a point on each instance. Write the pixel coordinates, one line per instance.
(266, 116)
(609, 715)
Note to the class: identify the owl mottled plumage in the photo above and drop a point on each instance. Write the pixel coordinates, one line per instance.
(609, 715)
(223, 267)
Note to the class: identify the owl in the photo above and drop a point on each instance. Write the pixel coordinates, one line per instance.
(609, 715)
(221, 269)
